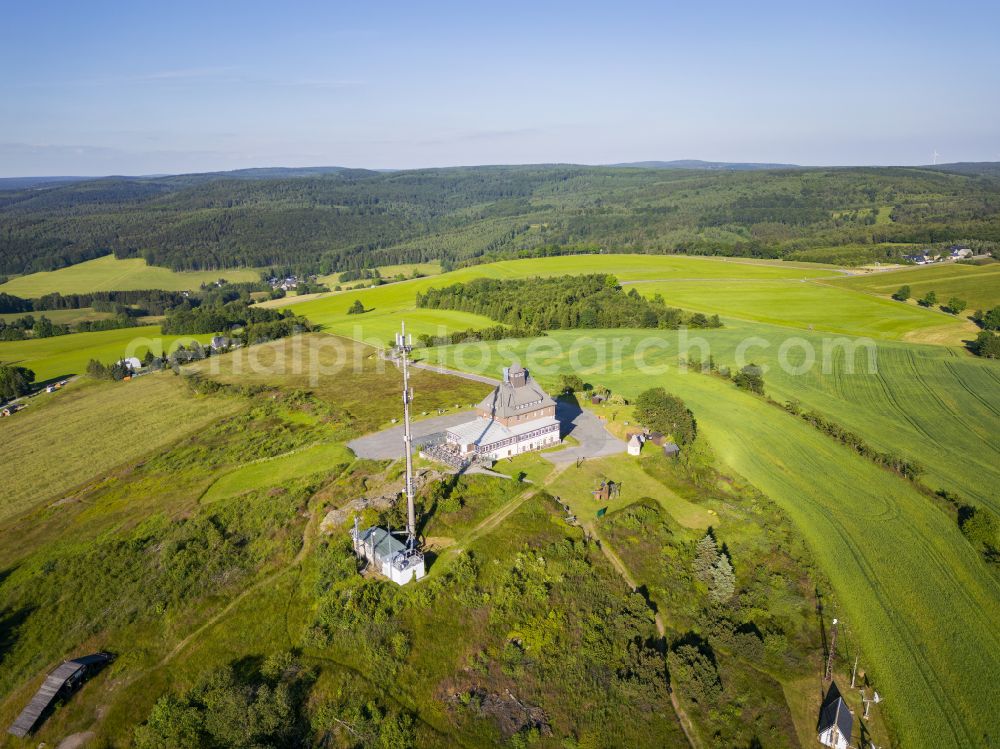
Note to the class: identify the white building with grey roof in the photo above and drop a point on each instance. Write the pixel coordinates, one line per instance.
(517, 417)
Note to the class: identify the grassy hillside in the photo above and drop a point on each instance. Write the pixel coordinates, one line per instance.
(907, 583)
(65, 440)
(978, 285)
(64, 355)
(779, 293)
(108, 273)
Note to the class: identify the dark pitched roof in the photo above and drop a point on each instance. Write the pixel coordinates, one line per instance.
(508, 399)
(836, 712)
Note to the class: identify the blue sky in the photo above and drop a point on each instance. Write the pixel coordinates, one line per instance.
(140, 88)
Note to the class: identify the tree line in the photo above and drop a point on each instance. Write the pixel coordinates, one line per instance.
(354, 220)
(561, 302)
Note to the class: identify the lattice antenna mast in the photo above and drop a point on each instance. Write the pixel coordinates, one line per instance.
(833, 649)
(404, 344)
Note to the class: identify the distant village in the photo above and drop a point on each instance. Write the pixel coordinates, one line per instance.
(925, 257)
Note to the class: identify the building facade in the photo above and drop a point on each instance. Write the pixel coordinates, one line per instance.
(387, 554)
(517, 417)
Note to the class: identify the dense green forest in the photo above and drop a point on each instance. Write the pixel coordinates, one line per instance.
(592, 301)
(346, 220)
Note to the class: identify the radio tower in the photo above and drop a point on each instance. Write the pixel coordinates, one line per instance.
(833, 645)
(404, 344)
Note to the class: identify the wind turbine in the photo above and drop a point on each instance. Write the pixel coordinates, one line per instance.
(936, 156)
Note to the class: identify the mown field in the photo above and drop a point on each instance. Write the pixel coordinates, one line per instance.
(65, 439)
(765, 291)
(65, 355)
(111, 274)
(978, 285)
(907, 583)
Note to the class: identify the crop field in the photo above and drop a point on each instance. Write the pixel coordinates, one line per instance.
(865, 526)
(51, 444)
(978, 285)
(108, 273)
(59, 356)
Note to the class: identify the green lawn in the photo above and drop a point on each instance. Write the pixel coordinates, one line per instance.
(978, 285)
(68, 354)
(111, 274)
(906, 581)
(276, 471)
(431, 268)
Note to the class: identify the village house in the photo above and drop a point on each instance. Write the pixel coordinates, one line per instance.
(517, 417)
(960, 253)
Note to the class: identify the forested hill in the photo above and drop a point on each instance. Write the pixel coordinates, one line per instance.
(328, 219)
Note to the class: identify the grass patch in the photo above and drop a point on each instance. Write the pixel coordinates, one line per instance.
(978, 285)
(108, 273)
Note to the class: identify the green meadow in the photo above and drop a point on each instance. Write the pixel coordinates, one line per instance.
(64, 440)
(977, 285)
(61, 316)
(903, 574)
(64, 355)
(764, 291)
(806, 305)
(108, 273)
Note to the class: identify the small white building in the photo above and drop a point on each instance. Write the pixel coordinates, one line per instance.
(388, 554)
(836, 722)
(960, 253)
(635, 445)
(133, 363)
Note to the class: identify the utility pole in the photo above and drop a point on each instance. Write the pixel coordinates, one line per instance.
(854, 673)
(404, 344)
(828, 676)
(876, 698)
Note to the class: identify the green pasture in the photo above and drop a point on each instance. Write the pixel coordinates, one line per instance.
(810, 306)
(907, 583)
(768, 291)
(978, 285)
(64, 355)
(108, 273)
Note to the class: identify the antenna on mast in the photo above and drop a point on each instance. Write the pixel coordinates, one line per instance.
(404, 344)
(828, 676)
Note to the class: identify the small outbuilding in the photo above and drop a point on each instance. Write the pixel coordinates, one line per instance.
(836, 722)
(635, 445)
(62, 681)
(221, 343)
(671, 450)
